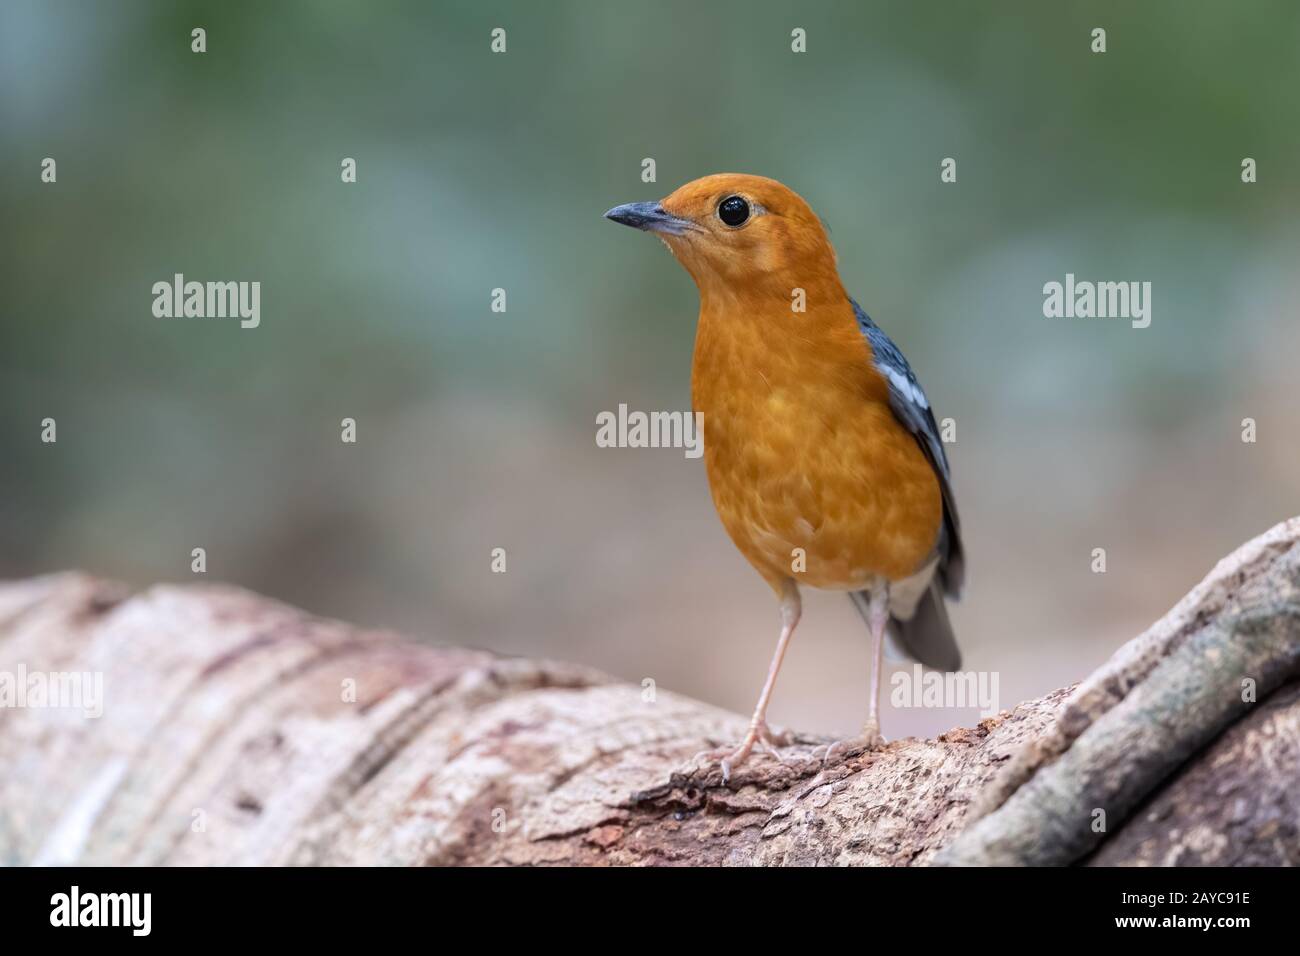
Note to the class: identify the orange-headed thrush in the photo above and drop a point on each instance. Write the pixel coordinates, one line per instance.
(823, 457)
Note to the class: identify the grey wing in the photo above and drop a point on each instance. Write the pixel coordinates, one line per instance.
(911, 407)
(923, 632)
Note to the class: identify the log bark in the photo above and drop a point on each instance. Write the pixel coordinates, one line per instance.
(237, 730)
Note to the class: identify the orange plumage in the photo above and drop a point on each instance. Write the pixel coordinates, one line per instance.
(802, 450)
(807, 459)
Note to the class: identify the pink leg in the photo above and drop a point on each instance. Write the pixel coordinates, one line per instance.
(759, 734)
(870, 738)
(879, 621)
(791, 609)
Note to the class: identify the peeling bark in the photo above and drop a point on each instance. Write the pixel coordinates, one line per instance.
(228, 736)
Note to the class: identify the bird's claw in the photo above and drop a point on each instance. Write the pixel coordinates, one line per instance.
(869, 739)
(760, 736)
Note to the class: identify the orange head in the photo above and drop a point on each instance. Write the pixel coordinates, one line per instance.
(739, 235)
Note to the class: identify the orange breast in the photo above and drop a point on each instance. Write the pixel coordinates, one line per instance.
(804, 455)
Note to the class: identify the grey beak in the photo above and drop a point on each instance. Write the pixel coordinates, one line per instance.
(650, 217)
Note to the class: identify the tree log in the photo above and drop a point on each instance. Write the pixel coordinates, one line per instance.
(237, 730)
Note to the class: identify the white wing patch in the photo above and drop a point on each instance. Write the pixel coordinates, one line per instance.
(905, 386)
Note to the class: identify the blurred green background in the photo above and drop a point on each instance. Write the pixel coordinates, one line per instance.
(476, 430)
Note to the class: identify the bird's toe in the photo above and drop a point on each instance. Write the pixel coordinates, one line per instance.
(869, 739)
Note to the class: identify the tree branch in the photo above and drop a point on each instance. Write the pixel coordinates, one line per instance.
(229, 735)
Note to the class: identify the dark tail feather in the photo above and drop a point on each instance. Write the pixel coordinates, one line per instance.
(928, 636)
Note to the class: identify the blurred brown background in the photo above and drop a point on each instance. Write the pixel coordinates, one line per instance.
(476, 430)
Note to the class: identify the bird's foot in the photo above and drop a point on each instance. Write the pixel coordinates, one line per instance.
(759, 737)
(869, 739)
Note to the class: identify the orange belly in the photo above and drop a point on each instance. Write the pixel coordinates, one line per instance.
(809, 468)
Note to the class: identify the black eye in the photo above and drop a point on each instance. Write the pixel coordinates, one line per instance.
(733, 211)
